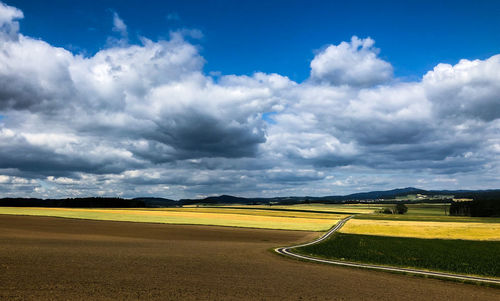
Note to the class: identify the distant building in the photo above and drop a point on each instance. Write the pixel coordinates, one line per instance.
(463, 200)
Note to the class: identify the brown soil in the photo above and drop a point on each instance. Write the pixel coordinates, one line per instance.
(44, 258)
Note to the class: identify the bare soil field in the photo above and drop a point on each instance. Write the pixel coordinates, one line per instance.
(45, 258)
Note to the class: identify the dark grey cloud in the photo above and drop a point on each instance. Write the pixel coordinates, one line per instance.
(44, 161)
(18, 95)
(198, 135)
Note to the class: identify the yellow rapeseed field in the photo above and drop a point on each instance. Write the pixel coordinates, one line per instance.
(248, 211)
(423, 229)
(341, 208)
(308, 221)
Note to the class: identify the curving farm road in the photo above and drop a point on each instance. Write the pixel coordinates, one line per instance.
(287, 251)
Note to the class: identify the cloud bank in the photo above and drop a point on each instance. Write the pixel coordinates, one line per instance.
(147, 120)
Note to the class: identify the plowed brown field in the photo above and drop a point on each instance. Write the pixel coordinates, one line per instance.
(43, 258)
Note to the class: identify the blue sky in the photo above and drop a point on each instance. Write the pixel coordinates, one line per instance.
(195, 98)
(241, 37)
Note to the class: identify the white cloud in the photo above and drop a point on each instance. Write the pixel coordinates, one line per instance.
(62, 180)
(119, 25)
(355, 63)
(469, 89)
(4, 179)
(8, 26)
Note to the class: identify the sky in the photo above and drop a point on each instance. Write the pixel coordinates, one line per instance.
(194, 98)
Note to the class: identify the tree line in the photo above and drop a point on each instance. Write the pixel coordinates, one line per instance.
(90, 202)
(484, 204)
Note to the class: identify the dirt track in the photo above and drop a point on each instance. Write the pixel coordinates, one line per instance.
(62, 259)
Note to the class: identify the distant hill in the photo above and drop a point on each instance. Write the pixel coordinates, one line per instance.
(373, 195)
(388, 196)
(152, 202)
(223, 199)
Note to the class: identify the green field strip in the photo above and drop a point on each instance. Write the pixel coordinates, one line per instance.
(466, 257)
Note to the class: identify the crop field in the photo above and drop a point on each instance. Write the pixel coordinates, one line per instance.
(425, 221)
(367, 210)
(252, 218)
(337, 208)
(424, 238)
(429, 218)
(427, 212)
(46, 258)
(424, 229)
(458, 256)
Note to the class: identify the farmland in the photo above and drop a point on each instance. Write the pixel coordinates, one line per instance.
(424, 229)
(46, 258)
(424, 238)
(250, 218)
(337, 208)
(458, 256)
(425, 221)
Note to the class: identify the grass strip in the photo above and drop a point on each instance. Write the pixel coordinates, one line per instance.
(457, 256)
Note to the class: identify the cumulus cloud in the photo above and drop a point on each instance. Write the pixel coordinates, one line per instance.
(468, 89)
(146, 119)
(33, 75)
(9, 27)
(355, 63)
(139, 104)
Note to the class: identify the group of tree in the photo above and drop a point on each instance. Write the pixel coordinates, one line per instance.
(484, 204)
(399, 208)
(91, 202)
